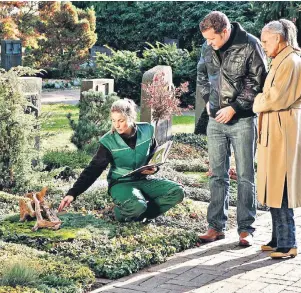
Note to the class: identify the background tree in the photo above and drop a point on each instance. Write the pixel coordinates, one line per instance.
(268, 11)
(128, 25)
(67, 33)
(17, 21)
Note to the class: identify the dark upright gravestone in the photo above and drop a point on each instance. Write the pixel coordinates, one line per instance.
(171, 41)
(11, 53)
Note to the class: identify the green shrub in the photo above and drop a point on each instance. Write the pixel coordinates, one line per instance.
(196, 165)
(8, 204)
(94, 120)
(18, 289)
(19, 274)
(72, 159)
(17, 132)
(56, 281)
(38, 269)
(196, 140)
(125, 68)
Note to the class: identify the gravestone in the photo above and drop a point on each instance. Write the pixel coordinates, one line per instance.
(163, 128)
(11, 53)
(31, 87)
(171, 41)
(104, 85)
(100, 49)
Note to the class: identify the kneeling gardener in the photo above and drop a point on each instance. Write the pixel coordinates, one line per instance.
(128, 146)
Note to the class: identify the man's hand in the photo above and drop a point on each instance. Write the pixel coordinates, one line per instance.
(208, 108)
(224, 115)
(149, 171)
(65, 202)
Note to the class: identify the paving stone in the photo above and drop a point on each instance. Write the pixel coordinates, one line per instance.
(273, 288)
(283, 269)
(168, 264)
(196, 282)
(175, 287)
(123, 290)
(292, 289)
(276, 281)
(297, 284)
(254, 286)
(221, 286)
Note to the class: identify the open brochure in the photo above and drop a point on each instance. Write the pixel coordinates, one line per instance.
(158, 158)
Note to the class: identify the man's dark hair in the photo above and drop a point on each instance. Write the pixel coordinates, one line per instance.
(216, 20)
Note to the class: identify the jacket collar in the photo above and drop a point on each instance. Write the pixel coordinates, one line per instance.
(240, 36)
(281, 56)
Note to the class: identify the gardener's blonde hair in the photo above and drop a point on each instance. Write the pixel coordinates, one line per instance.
(127, 108)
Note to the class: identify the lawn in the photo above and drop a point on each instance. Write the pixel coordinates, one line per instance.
(56, 119)
(56, 116)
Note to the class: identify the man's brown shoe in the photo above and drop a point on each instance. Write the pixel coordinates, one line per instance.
(278, 254)
(211, 235)
(245, 239)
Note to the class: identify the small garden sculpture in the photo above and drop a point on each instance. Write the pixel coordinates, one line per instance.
(34, 206)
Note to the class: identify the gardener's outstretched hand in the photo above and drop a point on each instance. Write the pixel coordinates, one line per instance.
(65, 202)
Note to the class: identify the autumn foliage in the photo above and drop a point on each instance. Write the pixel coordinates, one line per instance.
(55, 34)
(66, 34)
(163, 99)
(17, 21)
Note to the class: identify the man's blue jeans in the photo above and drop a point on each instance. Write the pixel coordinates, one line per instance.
(242, 136)
(284, 229)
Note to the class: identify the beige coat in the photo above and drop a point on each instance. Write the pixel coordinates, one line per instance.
(279, 131)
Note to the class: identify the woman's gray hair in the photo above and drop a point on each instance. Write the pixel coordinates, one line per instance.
(286, 29)
(127, 108)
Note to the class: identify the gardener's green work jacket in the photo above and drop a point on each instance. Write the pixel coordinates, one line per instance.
(134, 151)
(125, 158)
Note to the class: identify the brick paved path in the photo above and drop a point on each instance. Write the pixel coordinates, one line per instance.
(221, 266)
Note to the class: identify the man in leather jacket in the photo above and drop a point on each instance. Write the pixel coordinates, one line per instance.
(231, 72)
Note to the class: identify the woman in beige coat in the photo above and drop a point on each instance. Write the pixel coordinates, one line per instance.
(279, 135)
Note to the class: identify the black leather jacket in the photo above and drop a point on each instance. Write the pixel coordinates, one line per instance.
(237, 79)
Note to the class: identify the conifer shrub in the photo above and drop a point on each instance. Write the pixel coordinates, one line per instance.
(17, 132)
(94, 120)
(73, 159)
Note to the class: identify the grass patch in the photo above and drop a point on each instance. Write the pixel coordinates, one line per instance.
(186, 120)
(19, 274)
(57, 120)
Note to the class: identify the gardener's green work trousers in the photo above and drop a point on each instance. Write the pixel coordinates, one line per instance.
(145, 198)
